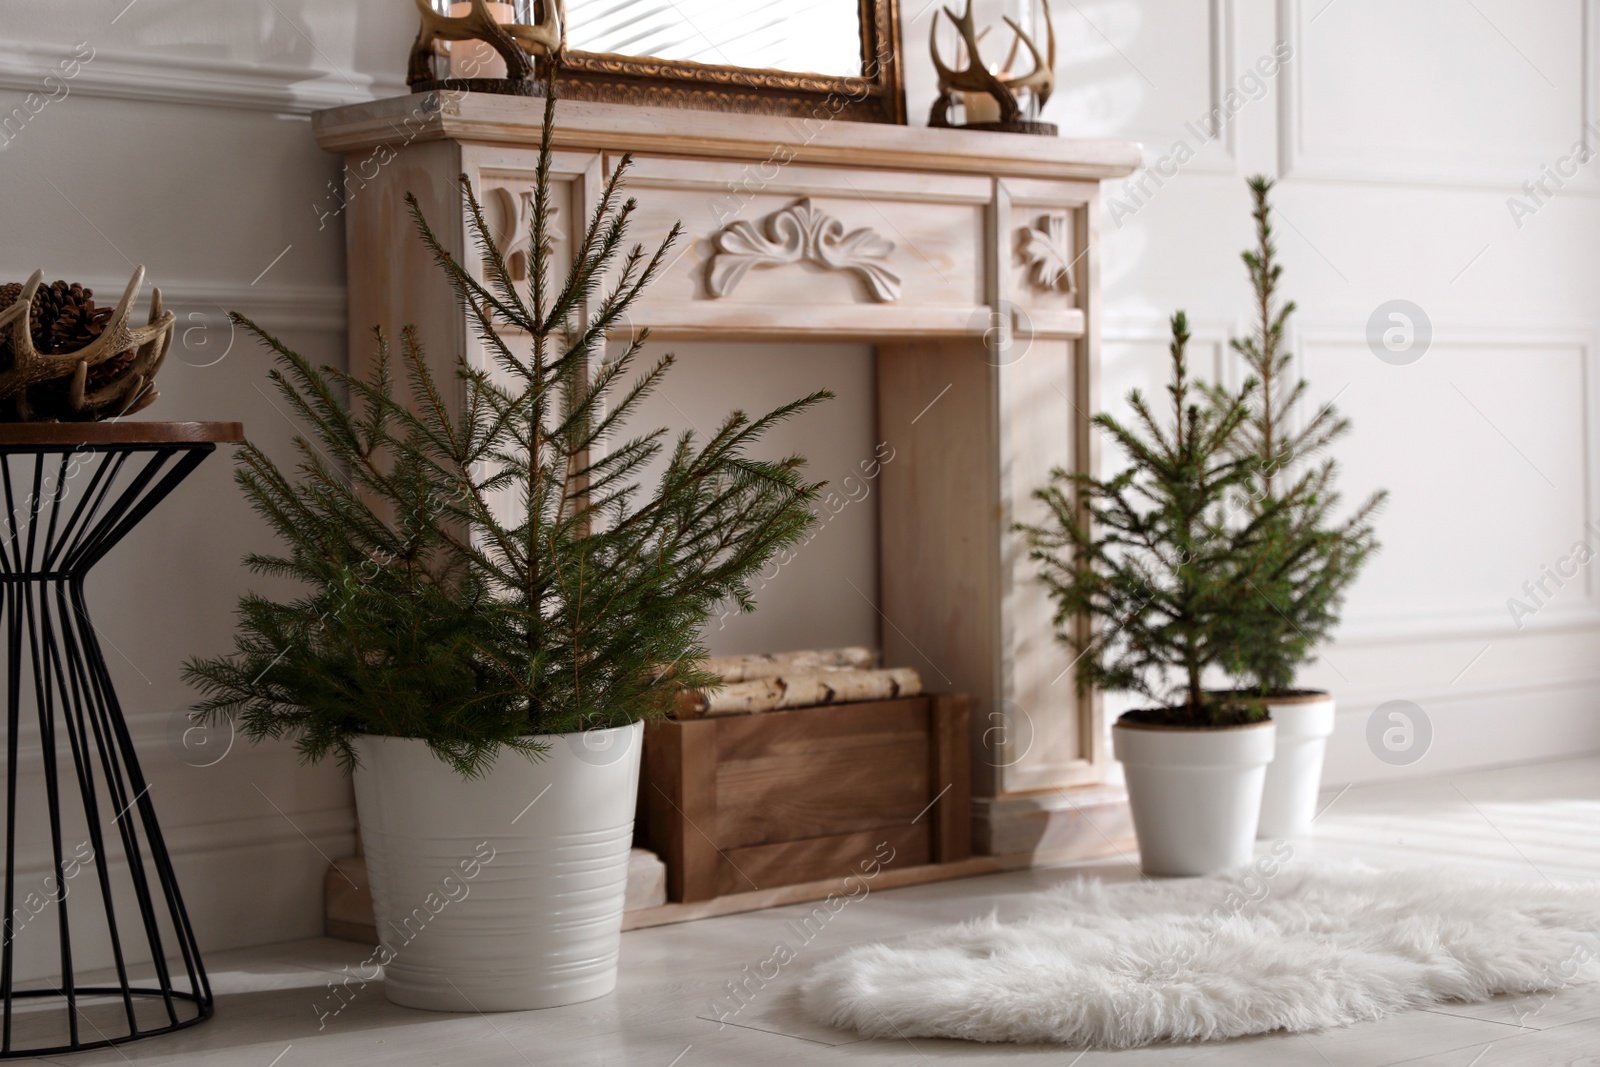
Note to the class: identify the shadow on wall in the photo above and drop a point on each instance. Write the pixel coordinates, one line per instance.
(824, 596)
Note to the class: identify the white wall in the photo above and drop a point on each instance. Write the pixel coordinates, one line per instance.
(184, 145)
(1398, 132)
(819, 597)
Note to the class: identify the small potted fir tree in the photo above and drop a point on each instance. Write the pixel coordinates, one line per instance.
(1156, 560)
(1309, 558)
(492, 603)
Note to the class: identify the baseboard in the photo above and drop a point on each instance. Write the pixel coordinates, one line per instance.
(1073, 825)
(1470, 730)
(850, 886)
(1086, 822)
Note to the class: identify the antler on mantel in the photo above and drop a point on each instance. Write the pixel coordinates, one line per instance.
(515, 42)
(128, 390)
(1042, 79)
(976, 78)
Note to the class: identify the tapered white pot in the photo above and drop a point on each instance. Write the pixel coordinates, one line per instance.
(503, 893)
(1294, 777)
(1195, 793)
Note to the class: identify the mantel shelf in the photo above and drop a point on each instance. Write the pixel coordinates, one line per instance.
(516, 120)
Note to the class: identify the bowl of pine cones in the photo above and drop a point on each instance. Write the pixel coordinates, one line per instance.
(65, 359)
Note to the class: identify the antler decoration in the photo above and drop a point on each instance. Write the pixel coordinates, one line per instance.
(975, 78)
(128, 389)
(514, 41)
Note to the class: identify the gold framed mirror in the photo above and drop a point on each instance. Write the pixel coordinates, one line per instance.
(814, 58)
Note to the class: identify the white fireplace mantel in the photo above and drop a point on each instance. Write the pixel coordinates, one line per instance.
(970, 260)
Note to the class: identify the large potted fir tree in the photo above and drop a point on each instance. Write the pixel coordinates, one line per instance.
(492, 603)
(1154, 558)
(1310, 557)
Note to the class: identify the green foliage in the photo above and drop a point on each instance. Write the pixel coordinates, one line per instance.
(1217, 548)
(1310, 557)
(482, 563)
(1151, 558)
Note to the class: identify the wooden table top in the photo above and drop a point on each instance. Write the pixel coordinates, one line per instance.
(120, 433)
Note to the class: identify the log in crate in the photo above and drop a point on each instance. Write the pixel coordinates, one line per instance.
(752, 802)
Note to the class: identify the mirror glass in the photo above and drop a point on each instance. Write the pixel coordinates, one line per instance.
(799, 36)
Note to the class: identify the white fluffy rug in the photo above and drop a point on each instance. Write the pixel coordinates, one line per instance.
(1291, 947)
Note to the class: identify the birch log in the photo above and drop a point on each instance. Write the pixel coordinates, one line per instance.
(748, 668)
(800, 689)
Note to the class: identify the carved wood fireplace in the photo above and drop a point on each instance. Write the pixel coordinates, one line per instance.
(969, 259)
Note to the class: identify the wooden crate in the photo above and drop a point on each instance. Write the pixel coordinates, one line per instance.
(747, 802)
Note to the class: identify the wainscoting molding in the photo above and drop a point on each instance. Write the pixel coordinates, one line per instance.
(1386, 630)
(1472, 727)
(1209, 345)
(1218, 155)
(1427, 624)
(1209, 355)
(1503, 168)
(154, 734)
(172, 79)
(276, 308)
(1362, 701)
(333, 829)
(220, 866)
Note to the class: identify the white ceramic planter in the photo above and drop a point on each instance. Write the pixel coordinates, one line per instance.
(504, 893)
(1289, 797)
(1195, 794)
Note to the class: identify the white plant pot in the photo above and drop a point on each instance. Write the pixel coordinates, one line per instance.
(503, 893)
(1294, 778)
(1195, 793)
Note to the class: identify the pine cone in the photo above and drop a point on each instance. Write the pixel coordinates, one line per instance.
(10, 293)
(48, 304)
(63, 320)
(43, 299)
(102, 374)
(78, 325)
(66, 317)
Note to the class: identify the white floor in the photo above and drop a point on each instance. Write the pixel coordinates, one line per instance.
(1530, 822)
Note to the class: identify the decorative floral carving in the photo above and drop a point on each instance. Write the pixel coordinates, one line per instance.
(801, 233)
(514, 225)
(1048, 251)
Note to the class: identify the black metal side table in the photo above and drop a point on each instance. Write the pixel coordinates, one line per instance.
(72, 491)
